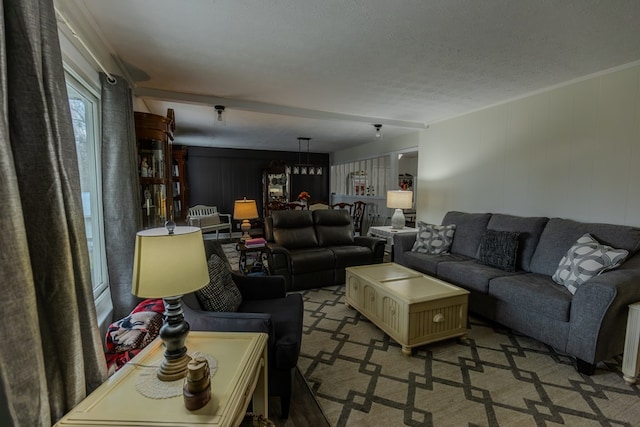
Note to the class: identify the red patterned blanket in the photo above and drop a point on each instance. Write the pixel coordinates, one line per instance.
(128, 336)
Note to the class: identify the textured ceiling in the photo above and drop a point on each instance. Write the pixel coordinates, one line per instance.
(329, 69)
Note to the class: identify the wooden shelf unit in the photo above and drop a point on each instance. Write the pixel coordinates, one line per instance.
(179, 154)
(154, 134)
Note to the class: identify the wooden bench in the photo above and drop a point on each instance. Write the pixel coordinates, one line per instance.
(209, 219)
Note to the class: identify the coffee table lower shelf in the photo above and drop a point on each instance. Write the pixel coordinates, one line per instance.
(412, 308)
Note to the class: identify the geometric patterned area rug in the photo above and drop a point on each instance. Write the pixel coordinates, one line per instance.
(496, 378)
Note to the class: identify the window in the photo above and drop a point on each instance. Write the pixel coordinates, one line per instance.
(86, 128)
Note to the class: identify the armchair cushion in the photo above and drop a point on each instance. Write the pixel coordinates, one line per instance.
(221, 293)
(286, 315)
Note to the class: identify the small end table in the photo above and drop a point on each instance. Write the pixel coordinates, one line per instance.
(387, 232)
(252, 260)
(240, 378)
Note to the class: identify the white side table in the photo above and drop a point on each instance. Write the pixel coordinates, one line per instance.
(241, 377)
(630, 358)
(386, 232)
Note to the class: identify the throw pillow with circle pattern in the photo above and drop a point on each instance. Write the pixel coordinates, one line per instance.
(586, 259)
(434, 239)
(221, 293)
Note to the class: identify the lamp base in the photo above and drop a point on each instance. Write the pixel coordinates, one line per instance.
(245, 226)
(397, 220)
(173, 334)
(173, 369)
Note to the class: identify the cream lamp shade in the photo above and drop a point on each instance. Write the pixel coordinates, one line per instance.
(169, 264)
(398, 200)
(245, 210)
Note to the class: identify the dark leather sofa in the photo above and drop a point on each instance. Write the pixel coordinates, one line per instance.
(266, 307)
(311, 249)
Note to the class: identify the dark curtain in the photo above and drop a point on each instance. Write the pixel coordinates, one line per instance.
(120, 195)
(51, 354)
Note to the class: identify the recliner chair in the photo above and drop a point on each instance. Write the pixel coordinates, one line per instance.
(266, 307)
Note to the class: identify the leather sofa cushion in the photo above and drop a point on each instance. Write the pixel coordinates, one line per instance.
(470, 228)
(530, 229)
(561, 234)
(348, 256)
(332, 235)
(333, 227)
(535, 293)
(470, 275)
(310, 260)
(292, 219)
(295, 238)
(293, 229)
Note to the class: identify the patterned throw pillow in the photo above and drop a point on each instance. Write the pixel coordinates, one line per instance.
(499, 249)
(587, 258)
(434, 239)
(221, 294)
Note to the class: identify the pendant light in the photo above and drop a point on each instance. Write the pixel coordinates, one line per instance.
(378, 127)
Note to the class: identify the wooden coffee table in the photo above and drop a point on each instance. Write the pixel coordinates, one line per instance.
(412, 308)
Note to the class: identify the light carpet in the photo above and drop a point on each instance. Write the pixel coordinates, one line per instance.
(497, 378)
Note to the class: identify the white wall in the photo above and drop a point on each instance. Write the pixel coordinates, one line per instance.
(376, 148)
(571, 152)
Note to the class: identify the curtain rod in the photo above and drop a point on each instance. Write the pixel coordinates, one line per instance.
(110, 78)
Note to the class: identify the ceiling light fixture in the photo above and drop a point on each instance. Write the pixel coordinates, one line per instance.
(220, 113)
(305, 168)
(378, 130)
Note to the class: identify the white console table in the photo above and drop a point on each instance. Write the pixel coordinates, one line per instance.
(386, 232)
(631, 358)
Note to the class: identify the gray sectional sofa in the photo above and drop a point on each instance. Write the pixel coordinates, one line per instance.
(588, 325)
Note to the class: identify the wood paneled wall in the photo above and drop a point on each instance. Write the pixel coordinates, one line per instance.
(218, 176)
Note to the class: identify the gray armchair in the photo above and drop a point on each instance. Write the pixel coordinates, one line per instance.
(266, 307)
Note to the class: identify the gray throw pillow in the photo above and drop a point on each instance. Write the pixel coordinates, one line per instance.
(434, 239)
(587, 258)
(499, 249)
(221, 293)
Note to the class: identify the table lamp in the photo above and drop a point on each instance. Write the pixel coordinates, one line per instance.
(398, 200)
(168, 263)
(245, 210)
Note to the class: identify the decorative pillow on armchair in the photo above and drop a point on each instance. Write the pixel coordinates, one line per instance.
(587, 258)
(499, 249)
(434, 239)
(221, 294)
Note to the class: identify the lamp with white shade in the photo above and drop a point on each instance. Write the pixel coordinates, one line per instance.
(244, 210)
(398, 200)
(168, 263)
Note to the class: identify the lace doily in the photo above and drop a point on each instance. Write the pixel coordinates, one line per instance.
(149, 385)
